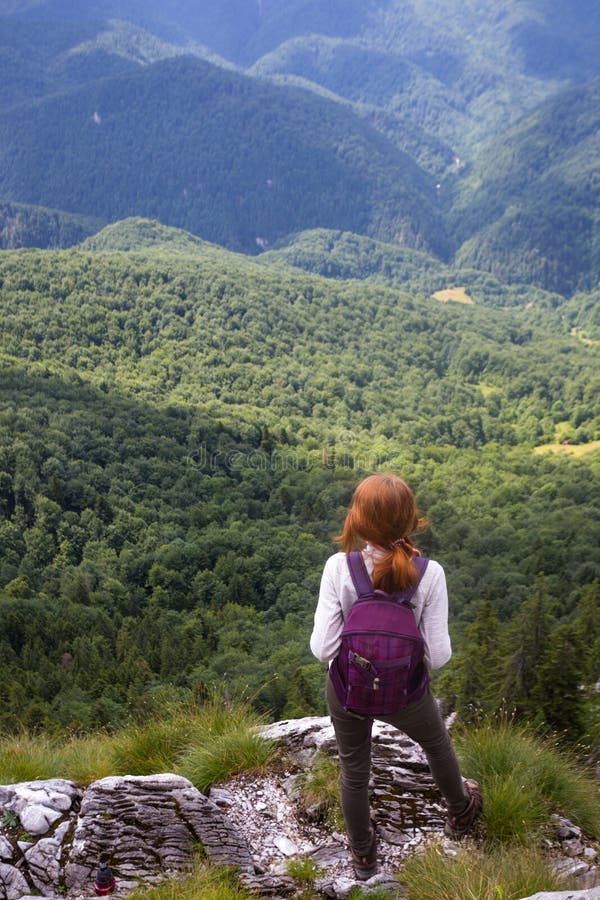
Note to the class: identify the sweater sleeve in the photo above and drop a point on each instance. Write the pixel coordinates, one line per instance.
(434, 618)
(329, 619)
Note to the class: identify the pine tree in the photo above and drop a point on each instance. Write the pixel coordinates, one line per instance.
(477, 681)
(587, 626)
(528, 637)
(558, 682)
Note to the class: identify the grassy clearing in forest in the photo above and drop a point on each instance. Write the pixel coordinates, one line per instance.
(580, 335)
(456, 295)
(569, 449)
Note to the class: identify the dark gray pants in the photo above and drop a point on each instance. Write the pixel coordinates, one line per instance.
(423, 723)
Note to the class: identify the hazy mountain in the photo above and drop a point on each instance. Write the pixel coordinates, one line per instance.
(38, 58)
(464, 72)
(544, 38)
(232, 159)
(532, 201)
(348, 106)
(35, 226)
(240, 30)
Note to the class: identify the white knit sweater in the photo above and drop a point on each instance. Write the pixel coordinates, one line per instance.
(337, 594)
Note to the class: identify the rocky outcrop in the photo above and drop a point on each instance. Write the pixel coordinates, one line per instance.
(53, 834)
(592, 894)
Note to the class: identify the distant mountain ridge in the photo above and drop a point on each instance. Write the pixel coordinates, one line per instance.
(235, 160)
(532, 202)
(533, 31)
(437, 125)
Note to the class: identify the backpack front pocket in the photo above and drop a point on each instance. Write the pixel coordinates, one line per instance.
(382, 688)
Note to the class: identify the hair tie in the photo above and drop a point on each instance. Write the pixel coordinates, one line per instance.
(403, 543)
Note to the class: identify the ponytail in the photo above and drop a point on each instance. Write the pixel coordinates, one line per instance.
(395, 569)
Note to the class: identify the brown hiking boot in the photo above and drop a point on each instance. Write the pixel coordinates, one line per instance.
(365, 866)
(457, 826)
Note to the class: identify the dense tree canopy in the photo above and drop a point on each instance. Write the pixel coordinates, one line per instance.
(182, 429)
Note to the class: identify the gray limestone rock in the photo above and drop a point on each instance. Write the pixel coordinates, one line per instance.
(269, 885)
(55, 793)
(12, 884)
(285, 846)
(573, 847)
(564, 828)
(37, 819)
(592, 894)
(6, 848)
(24, 845)
(43, 859)
(570, 868)
(147, 827)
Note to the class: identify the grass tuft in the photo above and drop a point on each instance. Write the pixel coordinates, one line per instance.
(205, 881)
(205, 743)
(320, 786)
(152, 746)
(85, 759)
(502, 874)
(26, 757)
(513, 812)
(525, 778)
(224, 755)
(304, 870)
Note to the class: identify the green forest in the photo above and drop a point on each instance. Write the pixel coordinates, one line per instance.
(182, 429)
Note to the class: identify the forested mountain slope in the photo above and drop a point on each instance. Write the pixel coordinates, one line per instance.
(142, 234)
(532, 200)
(232, 159)
(337, 254)
(261, 338)
(439, 125)
(34, 226)
(181, 431)
(43, 57)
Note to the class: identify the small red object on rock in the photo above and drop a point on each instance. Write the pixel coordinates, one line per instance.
(105, 880)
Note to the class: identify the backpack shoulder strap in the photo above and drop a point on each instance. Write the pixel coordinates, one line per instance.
(420, 564)
(360, 576)
(363, 584)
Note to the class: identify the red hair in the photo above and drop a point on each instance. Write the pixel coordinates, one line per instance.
(384, 512)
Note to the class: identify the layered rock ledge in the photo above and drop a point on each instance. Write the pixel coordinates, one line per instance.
(54, 833)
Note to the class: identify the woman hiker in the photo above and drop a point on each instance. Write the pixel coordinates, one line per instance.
(380, 523)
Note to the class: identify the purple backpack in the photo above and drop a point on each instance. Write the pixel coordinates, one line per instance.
(380, 667)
